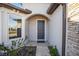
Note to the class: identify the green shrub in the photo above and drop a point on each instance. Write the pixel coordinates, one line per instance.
(2, 47)
(53, 51)
(12, 53)
(14, 43)
(9, 52)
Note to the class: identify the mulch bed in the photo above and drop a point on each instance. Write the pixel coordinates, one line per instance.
(23, 51)
(27, 51)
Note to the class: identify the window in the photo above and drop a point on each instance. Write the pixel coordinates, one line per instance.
(15, 26)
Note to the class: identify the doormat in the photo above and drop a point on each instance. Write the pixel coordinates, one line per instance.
(40, 41)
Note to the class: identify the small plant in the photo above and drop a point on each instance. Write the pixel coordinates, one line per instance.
(30, 49)
(8, 51)
(14, 43)
(53, 51)
(20, 43)
(12, 53)
(3, 48)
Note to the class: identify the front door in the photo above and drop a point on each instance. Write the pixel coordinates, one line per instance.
(40, 30)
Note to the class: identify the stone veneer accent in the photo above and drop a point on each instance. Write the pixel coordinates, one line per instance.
(72, 39)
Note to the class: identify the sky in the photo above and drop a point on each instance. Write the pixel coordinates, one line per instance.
(17, 4)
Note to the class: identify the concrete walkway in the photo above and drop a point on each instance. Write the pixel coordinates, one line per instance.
(42, 48)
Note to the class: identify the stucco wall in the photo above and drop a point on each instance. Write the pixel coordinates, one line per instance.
(3, 26)
(37, 7)
(0, 27)
(33, 28)
(5, 14)
(55, 29)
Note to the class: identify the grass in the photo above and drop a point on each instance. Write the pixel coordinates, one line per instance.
(53, 51)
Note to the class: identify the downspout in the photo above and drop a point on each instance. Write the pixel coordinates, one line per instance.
(63, 29)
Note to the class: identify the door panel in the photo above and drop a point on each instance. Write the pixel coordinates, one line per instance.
(41, 30)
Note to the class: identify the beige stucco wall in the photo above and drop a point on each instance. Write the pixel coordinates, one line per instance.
(33, 27)
(0, 28)
(55, 29)
(4, 19)
(3, 26)
(37, 7)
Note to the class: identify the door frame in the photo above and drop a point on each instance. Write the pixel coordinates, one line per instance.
(37, 29)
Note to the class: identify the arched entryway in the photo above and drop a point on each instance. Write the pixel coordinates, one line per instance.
(38, 27)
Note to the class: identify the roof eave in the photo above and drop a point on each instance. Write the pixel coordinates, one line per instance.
(10, 6)
(52, 8)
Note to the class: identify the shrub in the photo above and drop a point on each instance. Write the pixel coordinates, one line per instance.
(9, 52)
(53, 51)
(14, 43)
(2, 47)
(12, 53)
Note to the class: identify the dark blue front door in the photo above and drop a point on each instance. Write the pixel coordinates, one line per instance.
(41, 30)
